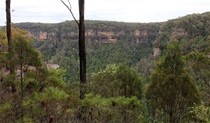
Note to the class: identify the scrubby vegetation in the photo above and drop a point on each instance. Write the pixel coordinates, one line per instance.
(126, 82)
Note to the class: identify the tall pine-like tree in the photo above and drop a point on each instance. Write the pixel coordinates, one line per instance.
(171, 89)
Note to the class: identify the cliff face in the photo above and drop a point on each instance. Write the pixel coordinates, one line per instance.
(97, 31)
(106, 32)
(116, 42)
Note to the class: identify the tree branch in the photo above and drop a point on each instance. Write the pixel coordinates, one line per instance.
(69, 8)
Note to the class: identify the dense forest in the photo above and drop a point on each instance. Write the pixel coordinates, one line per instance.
(136, 72)
(106, 42)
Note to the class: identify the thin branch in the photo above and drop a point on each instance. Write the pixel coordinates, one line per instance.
(69, 8)
(69, 4)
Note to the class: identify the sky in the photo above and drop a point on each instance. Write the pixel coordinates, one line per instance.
(53, 11)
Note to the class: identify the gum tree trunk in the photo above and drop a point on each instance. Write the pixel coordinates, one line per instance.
(8, 17)
(82, 51)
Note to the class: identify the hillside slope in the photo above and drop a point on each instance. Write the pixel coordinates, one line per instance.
(117, 42)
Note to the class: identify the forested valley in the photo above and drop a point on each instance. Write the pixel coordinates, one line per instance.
(136, 72)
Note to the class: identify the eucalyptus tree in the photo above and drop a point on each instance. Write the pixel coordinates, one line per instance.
(8, 18)
(82, 50)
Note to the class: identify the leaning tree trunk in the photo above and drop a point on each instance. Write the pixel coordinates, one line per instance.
(82, 52)
(8, 17)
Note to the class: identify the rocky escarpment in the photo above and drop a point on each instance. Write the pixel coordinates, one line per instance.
(188, 27)
(97, 31)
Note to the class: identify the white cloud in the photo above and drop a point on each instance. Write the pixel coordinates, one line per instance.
(115, 10)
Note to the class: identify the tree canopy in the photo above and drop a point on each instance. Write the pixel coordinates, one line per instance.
(171, 89)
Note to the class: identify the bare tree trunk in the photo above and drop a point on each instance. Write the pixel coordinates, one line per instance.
(82, 52)
(82, 56)
(8, 17)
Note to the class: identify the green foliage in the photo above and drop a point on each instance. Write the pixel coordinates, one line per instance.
(129, 81)
(3, 42)
(116, 81)
(24, 53)
(5, 107)
(199, 64)
(113, 109)
(133, 42)
(115, 89)
(200, 113)
(60, 47)
(196, 44)
(38, 93)
(194, 29)
(171, 89)
(45, 95)
(115, 53)
(52, 101)
(145, 67)
(104, 82)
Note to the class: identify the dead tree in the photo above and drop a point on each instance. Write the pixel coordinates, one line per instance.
(82, 50)
(8, 19)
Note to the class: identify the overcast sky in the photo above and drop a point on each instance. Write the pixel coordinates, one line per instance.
(51, 11)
